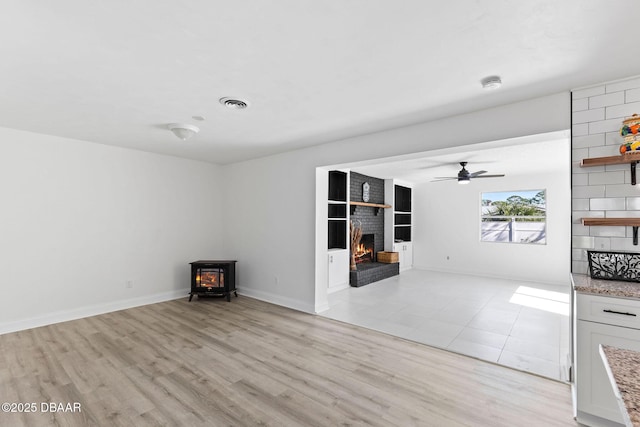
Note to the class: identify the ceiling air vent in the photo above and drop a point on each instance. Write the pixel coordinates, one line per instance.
(234, 104)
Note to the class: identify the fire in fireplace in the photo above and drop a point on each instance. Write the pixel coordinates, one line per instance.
(364, 253)
(210, 278)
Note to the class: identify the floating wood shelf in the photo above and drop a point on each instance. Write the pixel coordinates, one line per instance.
(378, 206)
(373, 205)
(632, 222)
(631, 158)
(611, 160)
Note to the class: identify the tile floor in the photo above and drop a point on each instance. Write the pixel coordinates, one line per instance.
(523, 325)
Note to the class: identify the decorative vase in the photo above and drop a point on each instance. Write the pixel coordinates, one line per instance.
(630, 131)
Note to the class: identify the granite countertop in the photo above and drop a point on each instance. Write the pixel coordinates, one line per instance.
(623, 367)
(613, 288)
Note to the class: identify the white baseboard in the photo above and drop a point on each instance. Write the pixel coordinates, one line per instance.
(91, 310)
(339, 287)
(494, 276)
(278, 300)
(321, 307)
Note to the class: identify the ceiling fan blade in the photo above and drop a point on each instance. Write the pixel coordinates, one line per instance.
(490, 176)
(475, 174)
(443, 178)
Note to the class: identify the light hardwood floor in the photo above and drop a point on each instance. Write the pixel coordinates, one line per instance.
(245, 363)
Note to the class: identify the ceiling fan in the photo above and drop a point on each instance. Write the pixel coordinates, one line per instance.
(464, 176)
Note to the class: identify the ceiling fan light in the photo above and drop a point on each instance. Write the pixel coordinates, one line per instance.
(182, 130)
(464, 180)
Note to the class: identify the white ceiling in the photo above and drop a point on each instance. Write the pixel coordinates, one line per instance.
(117, 72)
(530, 155)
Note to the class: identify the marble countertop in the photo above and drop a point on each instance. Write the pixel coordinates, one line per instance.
(613, 288)
(624, 373)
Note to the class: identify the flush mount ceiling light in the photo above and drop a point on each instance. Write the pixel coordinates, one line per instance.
(182, 130)
(491, 82)
(233, 103)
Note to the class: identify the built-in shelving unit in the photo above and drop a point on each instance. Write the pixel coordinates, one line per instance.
(337, 210)
(402, 214)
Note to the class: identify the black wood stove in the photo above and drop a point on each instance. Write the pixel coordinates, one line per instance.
(213, 278)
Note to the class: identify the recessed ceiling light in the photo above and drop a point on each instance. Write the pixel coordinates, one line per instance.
(491, 82)
(233, 103)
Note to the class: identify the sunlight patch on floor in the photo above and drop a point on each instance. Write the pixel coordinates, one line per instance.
(541, 299)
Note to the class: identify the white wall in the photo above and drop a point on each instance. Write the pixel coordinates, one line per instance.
(270, 217)
(78, 220)
(447, 224)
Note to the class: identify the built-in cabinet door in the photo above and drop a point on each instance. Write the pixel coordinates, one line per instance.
(405, 254)
(338, 268)
(594, 391)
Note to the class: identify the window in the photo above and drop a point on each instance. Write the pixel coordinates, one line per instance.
(514, 217)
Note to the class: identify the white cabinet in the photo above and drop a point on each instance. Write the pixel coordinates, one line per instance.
(608, 321)
(338, 269)
(405, 254)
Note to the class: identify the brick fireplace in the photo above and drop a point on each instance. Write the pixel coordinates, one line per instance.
(371, 220)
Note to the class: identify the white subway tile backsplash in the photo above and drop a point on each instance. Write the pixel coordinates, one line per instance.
(632, 95)
(623, 111)
(580, 267)
(622, 214)
(576, 169)
(601, 244)
(616, 177)
(580, 179)
(607, 231)
(623, 85)
(630, 232)
(603, 126)
(588, 116)
(585, 242)
(615, 168)
(614, 138)
(577, 154)
(579, 230)
(627, 176)
(607, 204)
(614, 98)
(588, 141)
(578, 255)
(599, 191)
(581, 129)
(580, 104)
(589, 191)
(590, 91)
(576, 216)
(623, 244)
(633, 203)
(603, 151)
(621, 190)
(580, 204)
